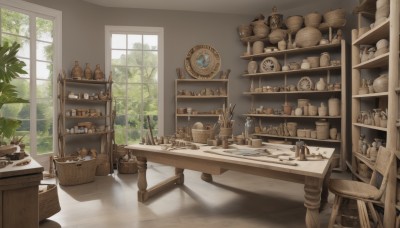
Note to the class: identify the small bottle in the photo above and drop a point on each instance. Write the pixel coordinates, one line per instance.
(248, 127)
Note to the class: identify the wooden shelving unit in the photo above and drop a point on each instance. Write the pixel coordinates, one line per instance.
(385, 63)
(331, 73)
(98, 138)
(184, 101)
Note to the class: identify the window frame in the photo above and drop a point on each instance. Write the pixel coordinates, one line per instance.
(33, 11)
(159, 31)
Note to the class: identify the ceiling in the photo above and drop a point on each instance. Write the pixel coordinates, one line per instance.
(243, 7)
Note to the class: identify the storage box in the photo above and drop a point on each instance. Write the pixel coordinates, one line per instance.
(70, 171)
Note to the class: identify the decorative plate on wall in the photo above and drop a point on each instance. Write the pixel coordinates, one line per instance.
(270, 64)
(202, 62)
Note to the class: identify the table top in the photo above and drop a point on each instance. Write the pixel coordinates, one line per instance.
(307, 168)
(11, 170)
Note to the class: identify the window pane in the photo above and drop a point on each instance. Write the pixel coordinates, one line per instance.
(150, 42)
(118, 41)
(120, 120)
(120, 106)
(44, 89)
(134, 136)
(120, 134)
(22, 87)
(23, 50)
(118, 58)
(119, 90)
(134, 75)
(135, 58)
(27, 68)
(150, 58)
(135, 42)
(14, 23)
(15, 111)
(44, 70)
(134, 95)
(44, 29)
(150, 91)
(44, 124)
(150, 75)
(119, 74)
(44, 51)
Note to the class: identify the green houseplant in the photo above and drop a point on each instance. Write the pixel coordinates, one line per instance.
(10, 68)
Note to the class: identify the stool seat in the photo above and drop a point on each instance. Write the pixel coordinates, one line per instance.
(354, 189)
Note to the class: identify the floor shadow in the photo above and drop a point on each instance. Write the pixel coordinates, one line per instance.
(48, 223)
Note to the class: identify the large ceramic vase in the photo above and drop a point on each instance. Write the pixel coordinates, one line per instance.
(380, 84)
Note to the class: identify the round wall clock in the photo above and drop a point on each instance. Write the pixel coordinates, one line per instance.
(270, 64)
(305, 84)
(202, 62)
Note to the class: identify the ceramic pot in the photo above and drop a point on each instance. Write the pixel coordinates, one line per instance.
(287, 109)
(383, 123)
(305, 65)
(302, 102)
(294, 23)
(252, 67)
(314, 61)
(322, 127)
(380, 84)
(292, 128)
(333, 133)
(277, 35)
(322, 110)
(320, 85)
(312, 110)
(282, 45)
(225, 132)
(258, 47)
(334, 106)
(244, 30)
(298, 111)
(301, 133)
(313, 134)
(83, 152)
(88, 72)
(325, 59)
(308, 133)
(285, 68)
(305, 110)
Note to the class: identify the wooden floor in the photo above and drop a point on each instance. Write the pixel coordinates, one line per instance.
(232, 200)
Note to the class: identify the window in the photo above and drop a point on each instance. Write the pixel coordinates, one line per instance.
(135, 57)
(38, 30)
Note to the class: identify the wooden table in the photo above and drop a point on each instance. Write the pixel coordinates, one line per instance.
(313, 174)
(19, 195)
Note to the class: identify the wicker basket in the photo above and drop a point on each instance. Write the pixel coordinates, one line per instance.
(294, 23)
(48, 202)
(335, 18)
(308, 37)
(313, 19)
(103, 166)
(127, 167)
(200, 135)
(76, 172)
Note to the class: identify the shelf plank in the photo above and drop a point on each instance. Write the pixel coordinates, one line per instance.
(87, 134)
(292, 51)
(370, 127)
(199, 97)
(86, 117)
(197, 115)
(364, 160)
(290, 116)
(372, 95)
(85, 100)
(291, 92)
(377, 62)
(84, 81)
(201, 80)
(291, 137)
(317, 69)
(372, 36)
(397, 90)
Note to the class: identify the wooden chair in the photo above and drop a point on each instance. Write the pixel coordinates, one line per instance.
(365, 194)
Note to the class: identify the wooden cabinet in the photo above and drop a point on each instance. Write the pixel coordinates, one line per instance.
(85, 119)
(270, 90)
(199, 100)
(367, 67)
(19, 189)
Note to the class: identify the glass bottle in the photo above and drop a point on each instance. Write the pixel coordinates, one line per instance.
(248, 127)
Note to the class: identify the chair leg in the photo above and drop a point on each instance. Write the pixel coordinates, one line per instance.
(375, 217)
(335, 210)
(363, 214)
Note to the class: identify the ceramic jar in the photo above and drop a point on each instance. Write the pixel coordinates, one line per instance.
(298, 111)
(292, 128)
(313, 134)
(322, 127)
(325, 59)
(287, 109)
(314, 61)
(258, 47)
(83, 152)
(302, 102)
(312, 110)
(88, 72)
(322, 110)
(98, 73)
(333, 133)
(320, 85)
(334, 106)
(282, 45)
(380, 84)
(305, 65)
(77, 72)
(252, 67)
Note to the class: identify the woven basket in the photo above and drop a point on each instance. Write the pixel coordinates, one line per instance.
(308, 37)
(314, 61)
(127, 167)
(294, 23)
(103, 166)
(76, 172)
(200, 135)
(313, 19)
(48, 202)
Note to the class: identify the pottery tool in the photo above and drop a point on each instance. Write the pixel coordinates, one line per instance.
(251, 158)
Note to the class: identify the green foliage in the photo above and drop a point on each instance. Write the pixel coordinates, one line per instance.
(10, 68)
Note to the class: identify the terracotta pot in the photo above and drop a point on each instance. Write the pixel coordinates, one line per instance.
(380, 84)
(287, 109)
(334, 107)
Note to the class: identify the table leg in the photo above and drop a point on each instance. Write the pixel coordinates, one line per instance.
(325, 192)
(142, 182)
(312, 189)
(179, 173)
(206, 177)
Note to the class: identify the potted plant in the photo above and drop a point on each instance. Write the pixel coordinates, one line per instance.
(10, 68)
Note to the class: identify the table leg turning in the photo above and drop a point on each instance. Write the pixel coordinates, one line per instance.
(312, 189)
(180, 175)
(206, 177)
(142, 182)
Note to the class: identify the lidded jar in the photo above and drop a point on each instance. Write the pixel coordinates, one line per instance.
(325, 59)
(334, 106)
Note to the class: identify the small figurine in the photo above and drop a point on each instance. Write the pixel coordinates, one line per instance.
(98, 73)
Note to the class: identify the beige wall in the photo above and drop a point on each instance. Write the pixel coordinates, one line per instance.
(83, 39)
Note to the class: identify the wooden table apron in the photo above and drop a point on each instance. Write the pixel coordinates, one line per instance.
(313, 182)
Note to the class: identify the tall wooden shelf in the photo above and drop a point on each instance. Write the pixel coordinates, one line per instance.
(332, 73)
(97, 138)
(198, 102)
(389, 62)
